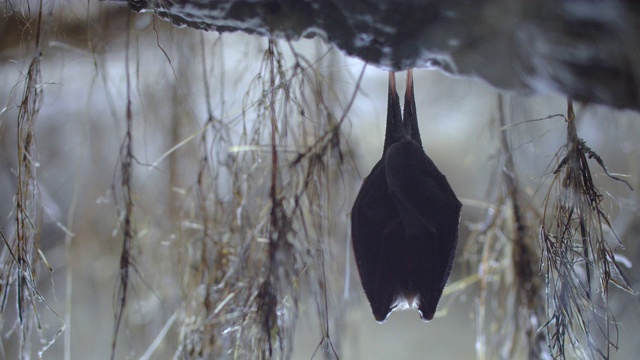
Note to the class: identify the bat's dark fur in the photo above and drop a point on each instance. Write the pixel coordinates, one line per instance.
(405, 219)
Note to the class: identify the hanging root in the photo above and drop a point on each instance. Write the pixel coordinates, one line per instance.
(509, 293)
(21, 255)
(257, 250)
(578, 261)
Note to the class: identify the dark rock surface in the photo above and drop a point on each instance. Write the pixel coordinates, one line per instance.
(586, 49)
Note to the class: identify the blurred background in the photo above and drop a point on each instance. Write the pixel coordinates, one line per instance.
(204, 108)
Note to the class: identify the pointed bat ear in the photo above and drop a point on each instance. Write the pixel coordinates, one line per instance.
(394, 117)
(410, 116)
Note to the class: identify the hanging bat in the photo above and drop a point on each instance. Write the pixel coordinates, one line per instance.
(404, 222)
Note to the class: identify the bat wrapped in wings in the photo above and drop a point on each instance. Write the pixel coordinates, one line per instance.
(405, 219)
